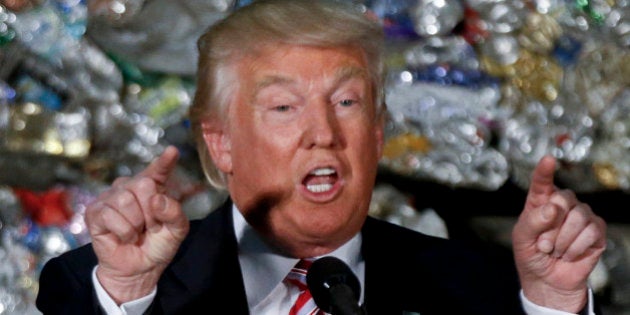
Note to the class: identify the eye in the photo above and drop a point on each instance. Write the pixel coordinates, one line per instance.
(347, 102)
(282, 108)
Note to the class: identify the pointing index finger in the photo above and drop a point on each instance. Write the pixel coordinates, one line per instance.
(542, 184)
(161, 168)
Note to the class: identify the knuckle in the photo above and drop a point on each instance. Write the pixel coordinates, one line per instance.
(145, 184)
(121, 181)
(121, 200)
(578, 217)
(592, 233)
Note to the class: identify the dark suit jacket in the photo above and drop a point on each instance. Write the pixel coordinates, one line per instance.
(405, 272)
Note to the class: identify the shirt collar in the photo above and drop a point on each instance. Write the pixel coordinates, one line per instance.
(263, 268)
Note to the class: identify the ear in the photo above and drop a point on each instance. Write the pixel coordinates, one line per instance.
(219, 146)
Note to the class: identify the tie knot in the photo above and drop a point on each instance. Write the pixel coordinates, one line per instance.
(297, 275)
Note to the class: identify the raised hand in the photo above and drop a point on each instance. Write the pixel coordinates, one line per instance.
(557, 242)
(136, 229)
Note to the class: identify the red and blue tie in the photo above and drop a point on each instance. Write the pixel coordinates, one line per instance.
(304, 305)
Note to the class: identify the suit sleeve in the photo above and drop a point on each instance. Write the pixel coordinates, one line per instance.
(65, 284)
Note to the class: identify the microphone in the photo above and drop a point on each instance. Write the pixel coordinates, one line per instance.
(334, 287)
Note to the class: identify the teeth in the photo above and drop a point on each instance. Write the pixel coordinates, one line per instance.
(323, 171)
(319, 188)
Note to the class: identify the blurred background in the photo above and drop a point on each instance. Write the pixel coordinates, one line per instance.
(477, 92)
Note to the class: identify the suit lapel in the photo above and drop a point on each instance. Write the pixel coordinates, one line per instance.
(206, 271)
(375, 279)
(386, 274)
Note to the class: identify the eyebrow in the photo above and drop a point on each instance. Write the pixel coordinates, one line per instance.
(271, 80)
(342, 74)
(347, 73)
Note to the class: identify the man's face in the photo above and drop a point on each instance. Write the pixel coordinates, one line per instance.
(301, 146)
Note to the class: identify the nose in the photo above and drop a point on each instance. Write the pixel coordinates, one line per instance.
(320, 126)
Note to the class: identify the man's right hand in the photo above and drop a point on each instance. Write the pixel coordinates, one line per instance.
(136, 229)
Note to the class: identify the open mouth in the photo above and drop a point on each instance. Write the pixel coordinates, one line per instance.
(320, 180)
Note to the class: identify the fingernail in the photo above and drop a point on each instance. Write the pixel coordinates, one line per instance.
(160, 202)
(548, 212)
(545, 246)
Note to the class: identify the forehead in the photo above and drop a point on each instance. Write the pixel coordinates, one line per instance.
(285, 63)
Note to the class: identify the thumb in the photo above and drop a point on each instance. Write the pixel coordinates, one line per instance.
(538, 226)
(167, 213)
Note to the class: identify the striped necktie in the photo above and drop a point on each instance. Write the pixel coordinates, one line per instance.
(304, 304)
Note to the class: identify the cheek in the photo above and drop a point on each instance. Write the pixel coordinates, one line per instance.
(368, 143)
(366, 158)
(264, 150)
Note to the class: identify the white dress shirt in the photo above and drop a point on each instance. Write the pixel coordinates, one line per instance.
(263, 274)
(264, 270)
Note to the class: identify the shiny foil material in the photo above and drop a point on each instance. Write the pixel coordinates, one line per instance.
(436, 17)
(448, 134)
(477, 92)
(156, 36)
(611, 163)
(35, 130)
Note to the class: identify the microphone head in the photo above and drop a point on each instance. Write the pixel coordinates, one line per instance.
(327, 273)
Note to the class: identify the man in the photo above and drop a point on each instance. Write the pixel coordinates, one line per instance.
(289, 117)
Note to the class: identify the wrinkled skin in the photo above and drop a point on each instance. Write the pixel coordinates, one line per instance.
(136, 229)
(557, 242)
(301, 110)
